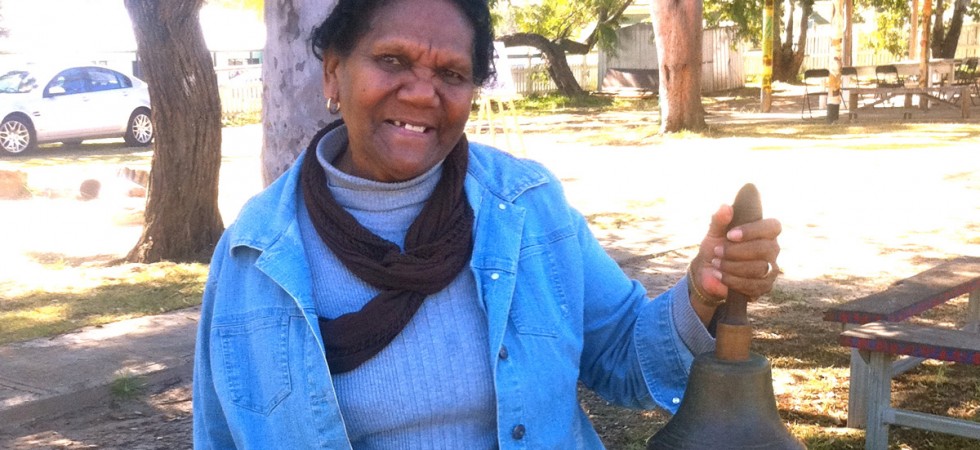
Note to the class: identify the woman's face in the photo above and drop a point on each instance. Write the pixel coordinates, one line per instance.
(405, 89)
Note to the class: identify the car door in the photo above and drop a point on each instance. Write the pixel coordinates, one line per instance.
(109, 102)
(63, 112)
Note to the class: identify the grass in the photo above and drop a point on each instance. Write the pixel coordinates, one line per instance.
(548, 103)
(239, 119)
(127, 387)
(86, 297)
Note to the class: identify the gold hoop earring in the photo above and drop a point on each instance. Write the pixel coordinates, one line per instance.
(332, 106)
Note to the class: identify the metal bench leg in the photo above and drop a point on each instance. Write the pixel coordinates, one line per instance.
(973, 316)
(879, 401)
(857, 403)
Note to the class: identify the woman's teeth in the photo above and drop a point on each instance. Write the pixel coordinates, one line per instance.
(410, 127)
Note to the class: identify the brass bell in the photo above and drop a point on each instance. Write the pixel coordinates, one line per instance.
(729, 401)
(727, 405)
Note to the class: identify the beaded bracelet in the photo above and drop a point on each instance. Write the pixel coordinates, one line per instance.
(701, 298)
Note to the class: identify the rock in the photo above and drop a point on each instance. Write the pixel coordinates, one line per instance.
(13, 185)
(89, 189)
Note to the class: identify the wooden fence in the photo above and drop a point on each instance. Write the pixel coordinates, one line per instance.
(240, 89)
(535, 80)
(721, 60)
(722, 67)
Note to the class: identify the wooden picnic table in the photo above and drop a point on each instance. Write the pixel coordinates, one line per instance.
(952, 96)
(876, 328)
(941, 71)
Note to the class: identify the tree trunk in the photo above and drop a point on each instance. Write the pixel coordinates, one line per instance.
(937, 38)
(558, 68)
(837, 61)
(293, 106)
(914, 31)
(945, 42)
(678, 34)
(848, 34)
(788, 61)
(924, 44)
(183, 222)
(768, 42)
(789, 23)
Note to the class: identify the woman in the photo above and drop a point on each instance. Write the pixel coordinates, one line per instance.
(400, 287)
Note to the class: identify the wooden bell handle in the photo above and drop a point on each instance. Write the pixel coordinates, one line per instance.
(734, 335)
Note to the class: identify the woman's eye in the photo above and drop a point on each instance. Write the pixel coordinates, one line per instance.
(389, 60)
(453, 77)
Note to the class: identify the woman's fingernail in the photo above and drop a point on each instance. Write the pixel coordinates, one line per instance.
(715, 273)
(719, 251)
(735, 234)
(716, 263)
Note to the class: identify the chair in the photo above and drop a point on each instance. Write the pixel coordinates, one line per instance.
(814, 85)
(967, 75)
(849, 79)
(887, 76)
(968, 69)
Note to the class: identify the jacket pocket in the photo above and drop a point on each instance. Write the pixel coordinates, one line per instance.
(254, 359)
(540, 304)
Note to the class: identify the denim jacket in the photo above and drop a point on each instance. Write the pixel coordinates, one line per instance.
(558, 308)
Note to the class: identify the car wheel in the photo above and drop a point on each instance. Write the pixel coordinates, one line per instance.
(139, 131)
(16, 136)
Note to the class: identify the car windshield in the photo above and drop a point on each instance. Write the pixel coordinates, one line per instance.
(17, 81)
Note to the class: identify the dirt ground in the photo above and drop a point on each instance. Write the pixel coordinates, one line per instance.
(155, 421)
(858, 213)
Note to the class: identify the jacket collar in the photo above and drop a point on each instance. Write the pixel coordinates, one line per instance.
(268, 216)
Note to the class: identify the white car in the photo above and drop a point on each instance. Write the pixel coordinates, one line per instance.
(71, 104)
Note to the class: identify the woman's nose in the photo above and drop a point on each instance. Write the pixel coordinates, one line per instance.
(420, 90)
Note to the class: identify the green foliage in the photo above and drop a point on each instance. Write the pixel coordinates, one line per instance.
(891, 33)
(745, 15)
(574, 20)
(554, 19)
(893, 22)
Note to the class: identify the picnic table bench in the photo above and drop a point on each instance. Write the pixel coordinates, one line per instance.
(875, 329)
(953, 96)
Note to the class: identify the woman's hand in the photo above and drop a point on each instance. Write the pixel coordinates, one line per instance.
(743, 259)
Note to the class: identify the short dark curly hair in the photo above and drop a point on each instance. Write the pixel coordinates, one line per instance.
(348, 23)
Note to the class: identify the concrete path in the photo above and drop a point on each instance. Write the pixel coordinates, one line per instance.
(49, 376)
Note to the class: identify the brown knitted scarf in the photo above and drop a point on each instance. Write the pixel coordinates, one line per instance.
(437, 247)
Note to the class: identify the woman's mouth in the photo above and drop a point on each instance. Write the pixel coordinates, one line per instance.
(409, 127)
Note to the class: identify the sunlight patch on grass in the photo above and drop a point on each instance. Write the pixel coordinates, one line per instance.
(827, 438)
(90, 297)
(786, 131)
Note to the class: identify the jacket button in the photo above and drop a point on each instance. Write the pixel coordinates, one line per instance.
(503, 352)
(518, 432)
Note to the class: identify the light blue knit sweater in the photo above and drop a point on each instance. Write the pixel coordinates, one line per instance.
(432, 386)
